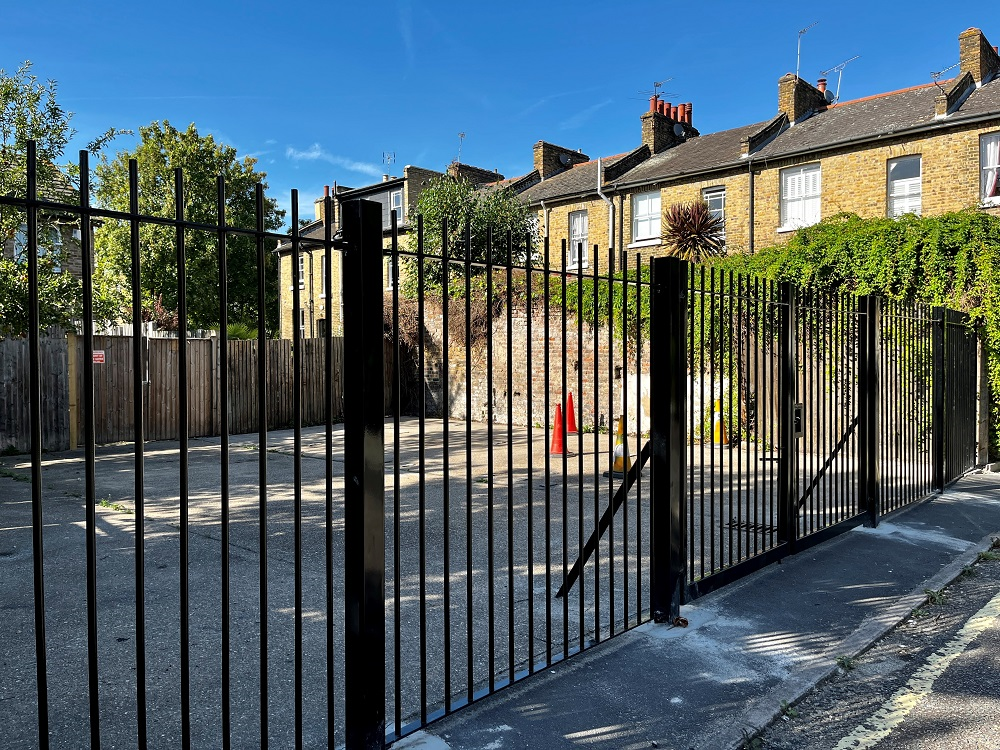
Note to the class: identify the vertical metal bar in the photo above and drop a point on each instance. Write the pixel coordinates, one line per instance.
(741, 399)
(262, 407)
(470, 664)
(727, 407)
(297, 345)
(90, 442)
(596, 328)
(529, 377)
(445, 460)
(490, 496)
(693, 359)
(638, 440)
(548, 459)
(183, 450)
(704, 352)
(579, 439)
(328, 383)
(712, 351)
(624, 385)
(612, 422)
(868, 418)
(788, 443)
(668, 433)
(756, 305)
(138, 404)
(564, 520)
(938, 397)
(510, 461)
(422, 467)
(37, 523)
(397, 575)
(224, 459)
(364, 483)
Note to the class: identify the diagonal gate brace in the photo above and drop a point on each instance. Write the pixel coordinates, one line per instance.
(630, 479)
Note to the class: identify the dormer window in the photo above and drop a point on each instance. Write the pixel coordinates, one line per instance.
(989, 160)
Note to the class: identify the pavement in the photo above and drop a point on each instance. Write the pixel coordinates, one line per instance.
(749, 647)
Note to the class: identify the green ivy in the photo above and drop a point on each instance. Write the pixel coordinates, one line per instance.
(951, 260)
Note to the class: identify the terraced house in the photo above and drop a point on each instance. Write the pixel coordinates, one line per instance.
(320, 307)
(928, 149)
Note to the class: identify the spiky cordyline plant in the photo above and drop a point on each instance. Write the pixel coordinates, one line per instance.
(692, 232)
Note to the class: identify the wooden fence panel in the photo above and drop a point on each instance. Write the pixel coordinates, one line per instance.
(15, 398)
(114, 388)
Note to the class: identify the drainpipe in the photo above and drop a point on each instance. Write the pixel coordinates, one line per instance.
(545, 218)
(750, 231)
(611, 208)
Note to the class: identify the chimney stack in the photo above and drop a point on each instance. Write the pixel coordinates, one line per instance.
(798, 99)
(977, 56)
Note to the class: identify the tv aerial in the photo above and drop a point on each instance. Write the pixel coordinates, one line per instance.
(798, 46)
(936, 75)
(388, 158)
(839, 70)
(461, 137)
(657, 85)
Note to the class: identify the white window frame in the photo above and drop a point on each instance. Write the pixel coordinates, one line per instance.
(50, 241)
(989, 169)
(646, 219)
(302, 270)
(396, 197)
(324, 259)
(576, 254)
(801, 190)
(717, 195)
(904, 195)
(302, 322)
(390, 282)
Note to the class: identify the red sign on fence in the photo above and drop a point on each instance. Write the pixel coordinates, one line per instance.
(98, 356)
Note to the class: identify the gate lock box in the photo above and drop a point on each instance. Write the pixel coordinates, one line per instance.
(797, 427)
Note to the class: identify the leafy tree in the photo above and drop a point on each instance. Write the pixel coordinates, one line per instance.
(467, 207)
(29, 111)
(162, 149)
(692, 232)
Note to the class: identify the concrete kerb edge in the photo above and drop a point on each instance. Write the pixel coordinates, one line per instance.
(756, 720)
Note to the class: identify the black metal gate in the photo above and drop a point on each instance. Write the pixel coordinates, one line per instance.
(805, 414)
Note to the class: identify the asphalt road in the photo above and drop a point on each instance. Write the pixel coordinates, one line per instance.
(930, 683)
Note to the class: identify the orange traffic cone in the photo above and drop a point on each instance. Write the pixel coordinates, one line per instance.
(556, 449)
(622, 460)
(719, 425)
(570, 415)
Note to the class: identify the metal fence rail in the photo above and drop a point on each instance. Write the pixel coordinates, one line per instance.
(481, 540)
(510, 543)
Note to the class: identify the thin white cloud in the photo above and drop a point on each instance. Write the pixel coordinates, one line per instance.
(581, 117)
(405, 20)
(316, 153)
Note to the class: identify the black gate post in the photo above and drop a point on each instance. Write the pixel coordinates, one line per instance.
(937, 397)
(788, 444)
(364, 495)
(668, 374)
(869, 389)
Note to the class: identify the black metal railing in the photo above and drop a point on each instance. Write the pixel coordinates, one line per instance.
(298, 604)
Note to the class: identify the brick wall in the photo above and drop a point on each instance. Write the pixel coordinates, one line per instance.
(528, 360)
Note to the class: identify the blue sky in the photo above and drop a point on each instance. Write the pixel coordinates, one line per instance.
(317, 92)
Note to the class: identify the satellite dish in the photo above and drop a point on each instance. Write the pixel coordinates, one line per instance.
(564, 159)
(678, 129)
(829, 96)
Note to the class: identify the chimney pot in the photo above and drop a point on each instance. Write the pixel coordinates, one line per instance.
(821, 85)
(681, 113)
(653, 103)
(690, 109)
(385, 178)
(660, 105)
(672, 113)
(326, 191)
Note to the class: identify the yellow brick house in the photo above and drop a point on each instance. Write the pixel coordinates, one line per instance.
(927, 149)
